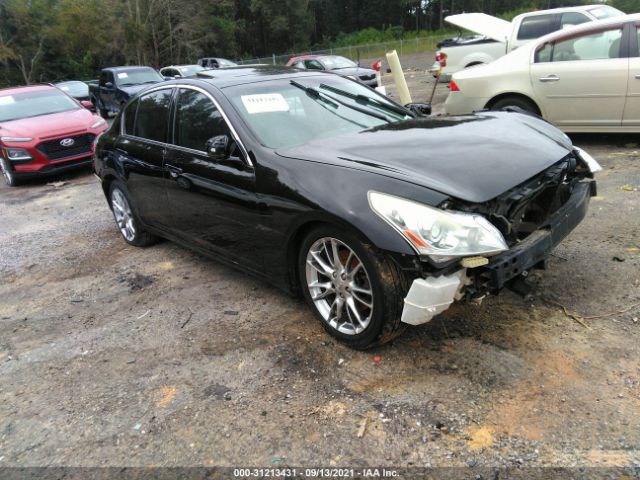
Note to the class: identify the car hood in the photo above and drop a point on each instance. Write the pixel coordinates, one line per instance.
(484, 24)
(473, 158)
(50, 126)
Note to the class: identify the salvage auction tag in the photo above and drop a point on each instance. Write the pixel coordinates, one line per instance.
(265, 102)
(123, 75)
(6, 100)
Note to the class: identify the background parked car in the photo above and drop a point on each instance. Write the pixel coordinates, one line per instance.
(181, 71)
(118, 84)
(216, 62)
(337, 64)
(77, 89)
(500, 37)
(44, 131)
(586, 79)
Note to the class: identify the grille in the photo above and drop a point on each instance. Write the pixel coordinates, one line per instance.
(55, 151)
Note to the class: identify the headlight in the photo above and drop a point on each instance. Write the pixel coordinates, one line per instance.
(18, 154)
(99, 123)
(438, 233)
(16, 139)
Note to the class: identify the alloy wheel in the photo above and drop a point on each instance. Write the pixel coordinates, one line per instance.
(339, 286)
(123, 215)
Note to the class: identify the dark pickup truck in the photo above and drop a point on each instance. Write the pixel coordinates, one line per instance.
(118, 84)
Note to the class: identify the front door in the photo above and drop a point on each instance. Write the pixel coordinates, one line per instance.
(632, 108)
(107, 93)
(582, 79)
(213, 202)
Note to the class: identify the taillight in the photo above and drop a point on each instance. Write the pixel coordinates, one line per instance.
(453, 86)
(441, 57)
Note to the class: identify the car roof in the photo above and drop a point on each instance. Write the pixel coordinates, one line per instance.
(226, 77)
(180, 66)
(25, 88)
(579, 8)
(584, 27)
(132, 67)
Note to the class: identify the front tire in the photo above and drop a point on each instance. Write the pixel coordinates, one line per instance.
(7, 173)
(355, 292)
(130, 227)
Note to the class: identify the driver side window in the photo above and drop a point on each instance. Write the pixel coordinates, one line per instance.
(197, 121)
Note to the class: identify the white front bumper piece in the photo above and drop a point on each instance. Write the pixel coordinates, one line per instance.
(429, 297)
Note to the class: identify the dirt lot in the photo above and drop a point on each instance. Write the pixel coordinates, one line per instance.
(112, 355)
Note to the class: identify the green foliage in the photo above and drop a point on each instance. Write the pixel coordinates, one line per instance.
(50, 40)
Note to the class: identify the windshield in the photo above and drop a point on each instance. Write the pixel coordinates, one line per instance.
(605, 12)
(284, 115)
(75, 89)
(34, 104)
(226, 63)
(138, 76)
(334, 62)
(190, 70)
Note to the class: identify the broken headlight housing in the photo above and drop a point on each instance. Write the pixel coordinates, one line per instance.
(440, 234)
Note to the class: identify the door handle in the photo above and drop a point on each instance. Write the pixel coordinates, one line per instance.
(174, 171)
(637, 77)
(550, 78)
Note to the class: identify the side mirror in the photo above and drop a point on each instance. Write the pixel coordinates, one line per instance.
(87, 104)
(108, 85)
(219, 148)
(420, 109)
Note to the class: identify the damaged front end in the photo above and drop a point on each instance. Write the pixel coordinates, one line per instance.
(533, 218)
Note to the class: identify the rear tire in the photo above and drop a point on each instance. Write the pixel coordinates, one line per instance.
(518, 102)
(7, 173)
(340, 273)
(126, 219)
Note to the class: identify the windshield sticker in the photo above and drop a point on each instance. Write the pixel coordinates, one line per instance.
(123, 75)
(7, 100)
(65, 89)
(264, 103)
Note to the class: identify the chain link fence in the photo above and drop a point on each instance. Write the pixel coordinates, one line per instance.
(369, 52)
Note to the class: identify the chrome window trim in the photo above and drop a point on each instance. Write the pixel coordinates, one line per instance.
(234, 134)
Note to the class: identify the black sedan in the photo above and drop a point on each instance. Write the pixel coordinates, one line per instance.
(378, 217)
(77, 89)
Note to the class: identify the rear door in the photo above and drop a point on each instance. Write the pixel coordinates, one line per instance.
(581, 79)
(632, 108)
(213, 202)
(141, 148)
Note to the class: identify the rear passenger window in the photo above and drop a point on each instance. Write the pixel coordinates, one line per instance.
(129, 117)
(537, 26)
(593, 46)
(197, 120)
(153, 115)
(572, 18)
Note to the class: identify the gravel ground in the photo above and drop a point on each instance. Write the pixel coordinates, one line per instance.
(116, 356)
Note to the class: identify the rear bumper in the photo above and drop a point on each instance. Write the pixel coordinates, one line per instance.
(458, 103)
(433, 295)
